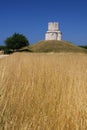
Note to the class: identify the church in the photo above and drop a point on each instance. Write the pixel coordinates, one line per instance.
(53, 32)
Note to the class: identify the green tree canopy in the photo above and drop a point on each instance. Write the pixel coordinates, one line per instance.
(16, 41)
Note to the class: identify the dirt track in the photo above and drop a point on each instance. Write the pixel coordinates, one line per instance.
(1, 56)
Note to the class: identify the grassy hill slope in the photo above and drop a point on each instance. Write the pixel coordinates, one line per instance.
(55, 46)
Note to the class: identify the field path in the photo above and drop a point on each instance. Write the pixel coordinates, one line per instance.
(2, 56)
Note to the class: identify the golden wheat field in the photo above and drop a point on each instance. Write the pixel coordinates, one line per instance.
(43, 91)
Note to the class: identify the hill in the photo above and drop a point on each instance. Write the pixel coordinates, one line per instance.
(55, 46)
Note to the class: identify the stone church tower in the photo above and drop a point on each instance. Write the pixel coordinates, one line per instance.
(53, 32)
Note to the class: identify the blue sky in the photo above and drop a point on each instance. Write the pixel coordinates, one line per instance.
(31, 17)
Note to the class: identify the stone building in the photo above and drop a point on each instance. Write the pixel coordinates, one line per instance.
(53, 32)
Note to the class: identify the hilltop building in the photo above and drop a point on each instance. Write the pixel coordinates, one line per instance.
(53, 32)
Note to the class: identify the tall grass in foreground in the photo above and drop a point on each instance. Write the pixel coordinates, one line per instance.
(43, 92)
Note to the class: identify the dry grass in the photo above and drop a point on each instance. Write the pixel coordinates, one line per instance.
(1, 53)
(43, 92)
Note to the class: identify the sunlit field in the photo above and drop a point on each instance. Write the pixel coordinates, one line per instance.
(43, 91)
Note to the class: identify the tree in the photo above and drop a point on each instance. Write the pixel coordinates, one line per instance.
(16, 41)
(2, 47)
